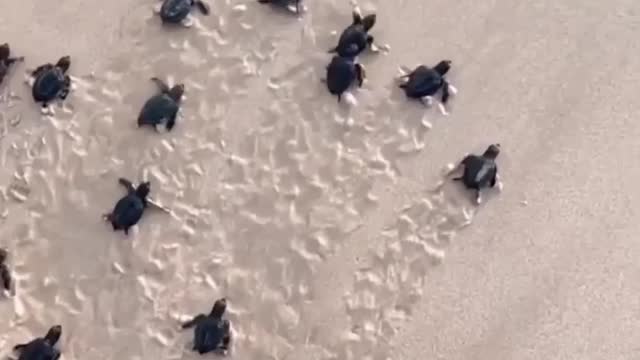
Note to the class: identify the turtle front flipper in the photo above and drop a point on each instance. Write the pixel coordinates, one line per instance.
(357, 17)
(204, 7)
(191, 323)
(445, 92)
(164, 88)
(41, 69)
(66, 88)
(360, 74)
(127, 184)
(226, 339)
(5, 276)
(171, 122)
(11, 61)
(494, 178)
(19, 347)
(371, 44)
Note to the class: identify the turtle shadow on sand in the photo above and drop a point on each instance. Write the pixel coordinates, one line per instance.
(130, 208)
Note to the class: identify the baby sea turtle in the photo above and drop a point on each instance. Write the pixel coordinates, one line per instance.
(162, 107)
(480, 171)
(51, 81)
(355, 38)
(176, 11)
(341, 73)
(6, 60)
(41, 348)
(129, 208)
(212, 332)
(423, 82)
(5, 274)
(288, 4)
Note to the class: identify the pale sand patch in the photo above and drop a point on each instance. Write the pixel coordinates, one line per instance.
(323, 224)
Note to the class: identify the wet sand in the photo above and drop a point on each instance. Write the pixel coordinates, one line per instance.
(324, 226)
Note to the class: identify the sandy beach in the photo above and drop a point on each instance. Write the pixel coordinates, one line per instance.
(327, 227)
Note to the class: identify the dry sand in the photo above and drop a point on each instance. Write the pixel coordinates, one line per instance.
(326, 234)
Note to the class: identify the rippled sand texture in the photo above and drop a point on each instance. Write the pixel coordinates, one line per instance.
(325, 226)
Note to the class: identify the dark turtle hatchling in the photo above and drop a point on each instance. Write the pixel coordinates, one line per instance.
(41, 348)
(129, 208)
(51, 81)
(288, 4)
(423, 82)
(480, 171)
(212, 332)
(5, 274)
(6, 60)
(355, 38)
(341, 73)
(162, 107)
(176, 11)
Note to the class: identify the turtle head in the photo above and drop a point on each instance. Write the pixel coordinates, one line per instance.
(492, 151)
(3, 255)
(443, 67)
(5, 52)
(53, 335)
(143, 189)
(368, 21)
(64, 63)
(176, 92)
(219, 307)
